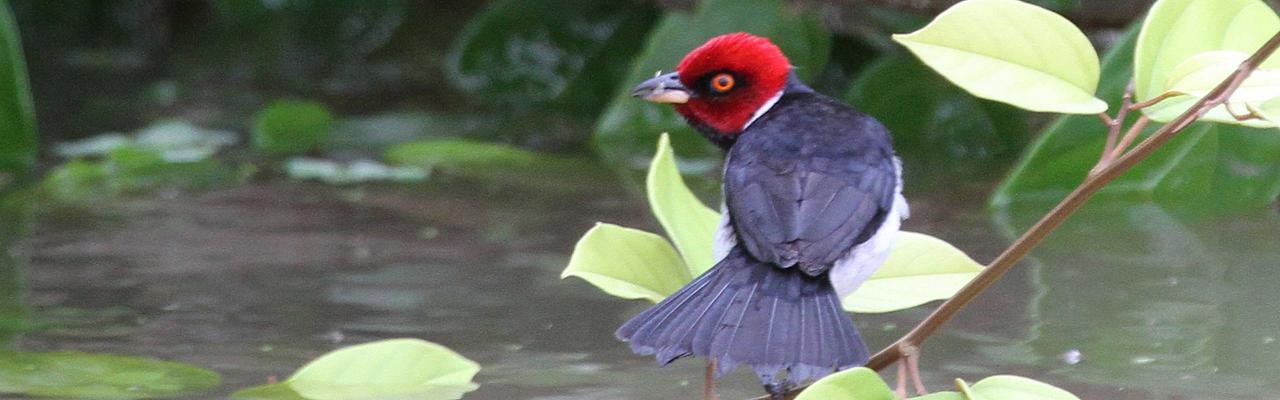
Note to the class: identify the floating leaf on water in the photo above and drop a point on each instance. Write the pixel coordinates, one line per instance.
(87, 375)
(291, 127)
(176, 141)
(385, 369)
(460, 154)
(336, 173)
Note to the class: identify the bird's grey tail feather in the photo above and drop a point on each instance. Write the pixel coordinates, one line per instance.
(743, 311)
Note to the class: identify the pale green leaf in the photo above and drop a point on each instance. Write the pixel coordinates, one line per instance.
(1176, 30)
(1008, 387)
(941, 396)
(1012, 52)
(689, 223)
(386, 369)
(628, 263)
(965, 389)
(920, 269)
(1200, 74)
(852, 384)
(1270, 110)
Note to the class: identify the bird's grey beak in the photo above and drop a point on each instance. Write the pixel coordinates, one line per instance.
(662, 89)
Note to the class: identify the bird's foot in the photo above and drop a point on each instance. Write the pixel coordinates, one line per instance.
(777, 391)
(909, 369)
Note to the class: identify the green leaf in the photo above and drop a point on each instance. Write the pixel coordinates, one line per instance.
(86, 375)
(386, 369)
(291, 127)
(858, 383)
(1008, 387)
(934, 123)
(575, 52)
(1270, 110)
(17, 114)
(1012, 52)
(689, 223)
(1176, 30)
(460, 154)
(920, 269)
(1239, 166)
(628, 263)
(629, 127)
(941, 396)
(1201, 73)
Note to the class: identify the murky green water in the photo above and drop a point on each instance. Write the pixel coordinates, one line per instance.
(254, 281)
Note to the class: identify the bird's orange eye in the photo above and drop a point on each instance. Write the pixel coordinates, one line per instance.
(722, 83)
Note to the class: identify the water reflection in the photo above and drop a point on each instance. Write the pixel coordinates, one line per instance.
(1157, 305)
(15, 225)
(254, 281)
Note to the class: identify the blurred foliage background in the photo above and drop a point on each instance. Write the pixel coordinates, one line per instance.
(543, 75)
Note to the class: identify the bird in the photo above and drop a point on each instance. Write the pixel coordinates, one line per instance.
(812, 203)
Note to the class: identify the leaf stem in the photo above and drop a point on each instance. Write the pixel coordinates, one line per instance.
(1156, 100)
(1047, 224)
(1134, 131)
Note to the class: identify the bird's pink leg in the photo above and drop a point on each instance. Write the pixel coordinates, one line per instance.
(709, 386)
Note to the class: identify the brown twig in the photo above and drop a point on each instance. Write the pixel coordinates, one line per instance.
(1133, 133)
(1046, 225)
(1114, 125)
(709, 385)
(1069, 205)
(1152, 101)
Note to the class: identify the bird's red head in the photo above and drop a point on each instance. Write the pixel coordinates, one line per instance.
(723, 83)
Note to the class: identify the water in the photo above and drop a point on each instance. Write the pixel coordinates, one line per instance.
(254, 281)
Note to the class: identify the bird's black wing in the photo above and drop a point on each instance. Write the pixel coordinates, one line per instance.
(808, 181)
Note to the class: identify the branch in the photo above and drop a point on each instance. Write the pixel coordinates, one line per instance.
(1047, 224)
(1069, 205)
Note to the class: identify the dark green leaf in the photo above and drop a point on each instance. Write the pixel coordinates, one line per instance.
(1238, 166)
(98, 376)
(630, 127)
(291, 127)
(933, 122)
(15, 227)
(531, 51)
(17, 115)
